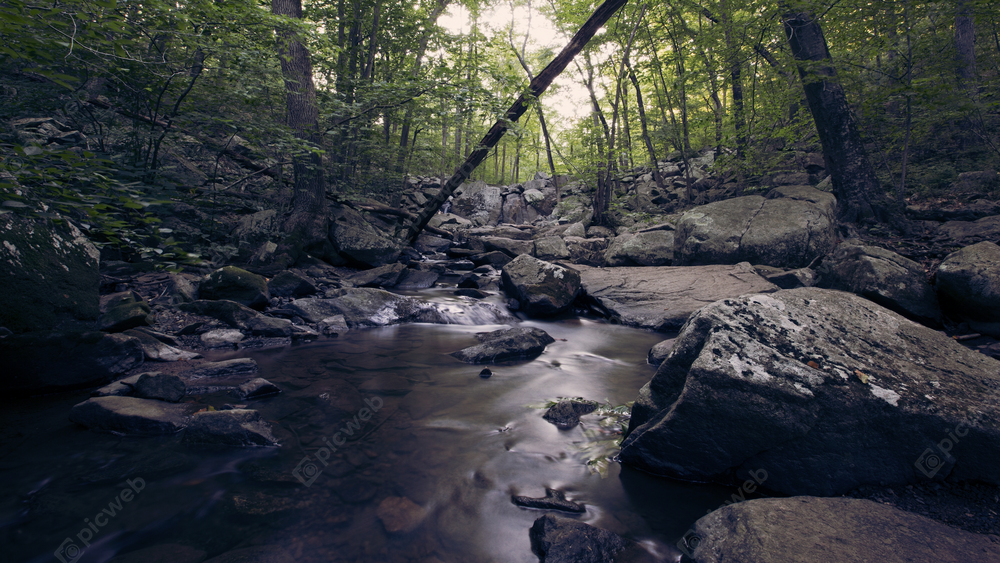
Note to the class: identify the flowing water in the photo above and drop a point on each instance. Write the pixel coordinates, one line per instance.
(455, 444)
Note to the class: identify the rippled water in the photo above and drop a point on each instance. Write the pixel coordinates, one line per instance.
(453, 443)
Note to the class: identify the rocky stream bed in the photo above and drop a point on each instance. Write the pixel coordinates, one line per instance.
(462, 399)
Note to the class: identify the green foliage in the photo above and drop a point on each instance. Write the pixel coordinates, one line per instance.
(602, 440)
(58, 183)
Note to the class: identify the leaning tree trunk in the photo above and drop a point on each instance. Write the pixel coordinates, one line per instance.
(307, 225)
(859, 196)
(541, 82)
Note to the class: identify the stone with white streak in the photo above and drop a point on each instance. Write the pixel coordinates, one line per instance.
(823, 390)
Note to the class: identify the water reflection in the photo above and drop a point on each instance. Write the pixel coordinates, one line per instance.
(456, 445)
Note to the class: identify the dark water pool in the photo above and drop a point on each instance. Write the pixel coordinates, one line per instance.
(454, 444)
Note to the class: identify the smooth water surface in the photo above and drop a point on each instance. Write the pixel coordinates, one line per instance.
(451, 442)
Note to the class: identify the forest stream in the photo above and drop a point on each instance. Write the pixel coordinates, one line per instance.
(456, 445)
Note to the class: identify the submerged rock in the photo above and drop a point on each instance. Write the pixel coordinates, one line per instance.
(830, 530)
(506, 345)
(225, 368)
(400, 514)
(823, 390)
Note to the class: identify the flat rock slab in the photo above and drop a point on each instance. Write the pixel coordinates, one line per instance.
(130, 416)
(662, 298)
(241, 427)
(830, 530)
(822, 391)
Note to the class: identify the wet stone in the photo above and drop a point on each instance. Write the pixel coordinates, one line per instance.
(257, 388)
(566, 414)
(553, 500)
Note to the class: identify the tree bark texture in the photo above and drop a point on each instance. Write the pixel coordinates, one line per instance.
(538, 86)
(965, 46)
(859, 196)
(308, 220)
(645, 129)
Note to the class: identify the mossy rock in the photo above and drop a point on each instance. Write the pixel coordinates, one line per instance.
(235, 284)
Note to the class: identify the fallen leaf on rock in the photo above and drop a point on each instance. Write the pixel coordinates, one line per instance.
(861, 376)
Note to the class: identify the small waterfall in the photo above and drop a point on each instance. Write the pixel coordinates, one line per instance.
(463, 312)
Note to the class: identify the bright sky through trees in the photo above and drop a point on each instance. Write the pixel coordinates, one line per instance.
(567, 98)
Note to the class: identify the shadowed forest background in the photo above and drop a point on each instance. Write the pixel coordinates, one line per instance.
(114, 108)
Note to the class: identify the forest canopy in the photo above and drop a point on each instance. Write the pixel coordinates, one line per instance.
(397, 94)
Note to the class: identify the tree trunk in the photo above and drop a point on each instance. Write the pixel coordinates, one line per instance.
(965, 47)
(307, 224)
(535, 89)
(859, 196)
(645, 129)
(417, 63)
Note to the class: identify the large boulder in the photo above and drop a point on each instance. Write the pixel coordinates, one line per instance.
(541, 288)
(479, 203)
(883, 276)
(823, 390)
(125, 311)
(290, 284)
(588, 251)
(510, 247)
(235, 284)
(48, 275)
(551, 248)
(561, 540)
(356, 240)
(131, 416)
(46, 362)
(970, 232)
(662, 298)
(829, 530)
(969, 282)
(649, 248)
(506, 345)
(788, 229)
